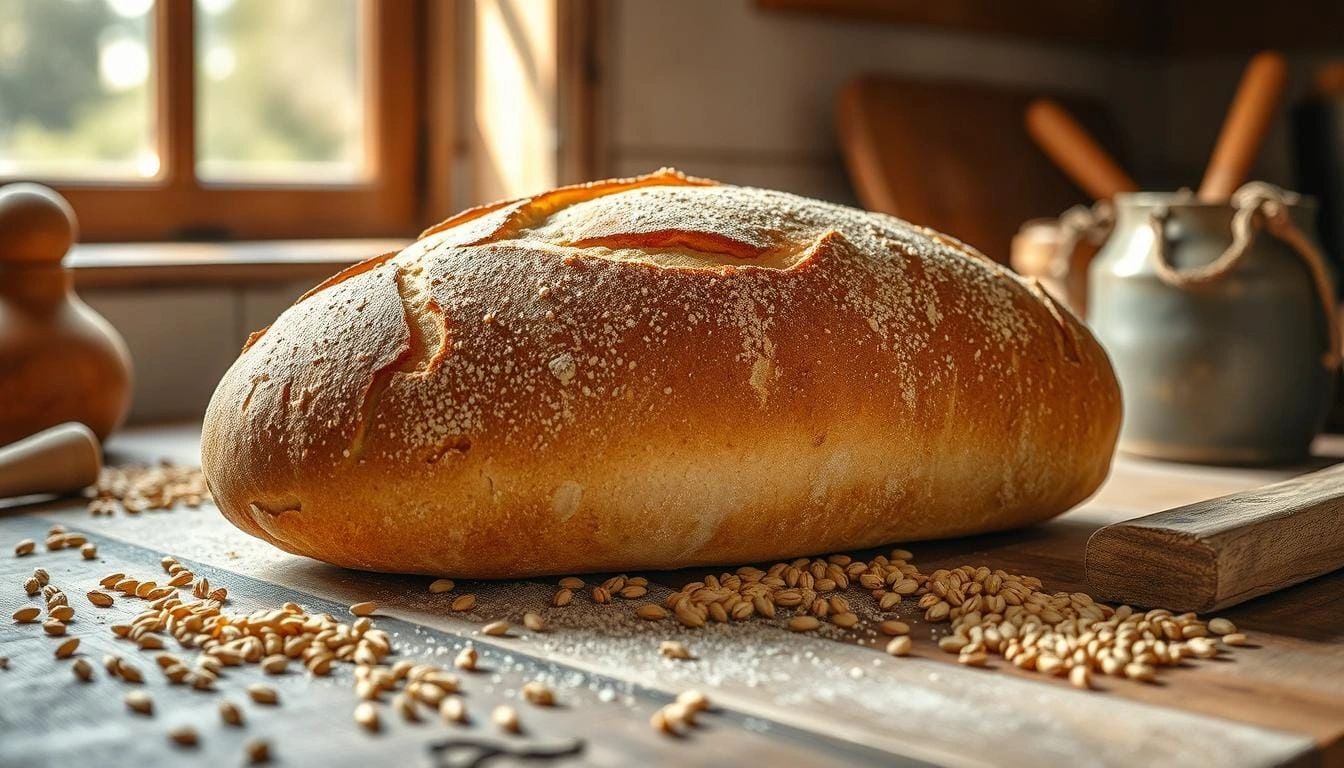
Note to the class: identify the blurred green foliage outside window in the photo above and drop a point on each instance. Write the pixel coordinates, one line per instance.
(279, 90)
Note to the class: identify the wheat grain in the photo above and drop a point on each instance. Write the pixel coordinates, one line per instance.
(258, 751)
(453, 709)
(140, 702)
(538, 693)
(803, 623)
(893, 627)
(67, 649)
(651, 612)
(101, 599)
(693, 700)
(366, 714)
(184, 736)
(506, 718)
(466, 659)
(899, 646)
(82, 669)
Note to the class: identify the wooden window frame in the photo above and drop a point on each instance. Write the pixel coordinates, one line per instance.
(175, 205)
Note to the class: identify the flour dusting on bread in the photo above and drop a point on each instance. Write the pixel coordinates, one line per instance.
(662, 354)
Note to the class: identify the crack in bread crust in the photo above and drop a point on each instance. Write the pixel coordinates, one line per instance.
(546, 205)
(334, 280)
(1066, 338)
(427, 345)
(257, 381)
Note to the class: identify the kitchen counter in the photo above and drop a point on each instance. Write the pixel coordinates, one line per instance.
(826, 698)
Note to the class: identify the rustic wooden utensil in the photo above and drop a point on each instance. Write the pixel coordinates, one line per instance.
(954, 156)
(1057, 251)
(1244, 129)
(59, 360)
(1212, 554)
(59, 460)
(1074, 150)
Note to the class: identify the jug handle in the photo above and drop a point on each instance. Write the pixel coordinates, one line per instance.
(1257, 205)
(1076, 225)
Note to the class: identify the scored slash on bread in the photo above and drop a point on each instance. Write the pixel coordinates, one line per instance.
(652, 373)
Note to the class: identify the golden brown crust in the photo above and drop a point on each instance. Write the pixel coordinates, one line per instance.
(653, 373)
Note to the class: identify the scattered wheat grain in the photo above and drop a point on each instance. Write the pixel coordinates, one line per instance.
(140, 702)
(506, 718)
(67, 649)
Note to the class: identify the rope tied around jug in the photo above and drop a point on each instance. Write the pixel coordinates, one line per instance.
(1258, 206)
(1076, 225)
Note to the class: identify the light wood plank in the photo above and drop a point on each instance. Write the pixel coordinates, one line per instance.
(1212, 554)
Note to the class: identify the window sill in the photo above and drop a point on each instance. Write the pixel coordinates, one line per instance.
(142, 265)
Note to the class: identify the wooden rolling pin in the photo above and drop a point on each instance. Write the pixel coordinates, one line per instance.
(1245, 127)
(1212, 554)
(1074, 150)
(59, 460)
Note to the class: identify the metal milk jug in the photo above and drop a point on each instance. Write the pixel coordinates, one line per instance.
(1220, 322)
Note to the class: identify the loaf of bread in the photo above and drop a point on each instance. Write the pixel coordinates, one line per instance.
(653, 373)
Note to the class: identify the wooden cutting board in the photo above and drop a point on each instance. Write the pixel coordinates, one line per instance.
(956, 156)
(825, 699)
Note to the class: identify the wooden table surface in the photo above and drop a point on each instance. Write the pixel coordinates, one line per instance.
(827, 698)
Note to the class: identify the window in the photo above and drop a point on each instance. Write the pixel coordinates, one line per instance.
(215, 119)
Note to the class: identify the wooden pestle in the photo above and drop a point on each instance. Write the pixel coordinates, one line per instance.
(1074, 150)
(60, 361)
(59, 460)
(1245, 127)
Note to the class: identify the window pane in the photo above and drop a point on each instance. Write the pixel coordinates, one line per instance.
(76, 89)
(279, 90)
